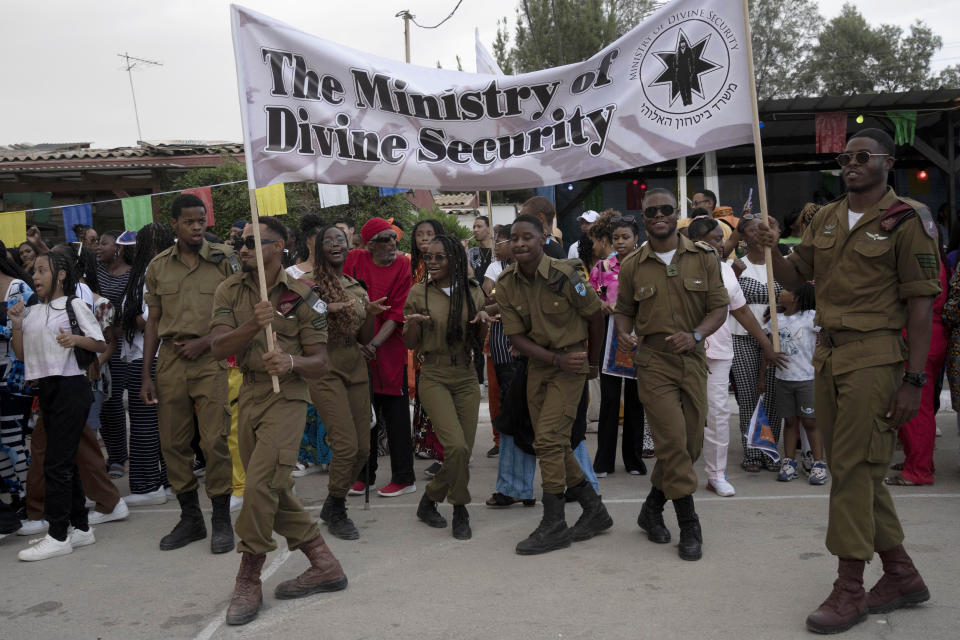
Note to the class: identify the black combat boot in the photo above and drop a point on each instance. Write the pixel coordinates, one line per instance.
(595, 518)
(334, 513)
(461, 522)
(552, 533)
(691, 539)
(427, 511)
(191, 527)
(651, 517)
(221, 539)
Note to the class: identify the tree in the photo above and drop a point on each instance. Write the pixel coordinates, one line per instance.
(783, 33)
(949, 78)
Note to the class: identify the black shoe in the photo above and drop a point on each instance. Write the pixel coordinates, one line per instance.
(199, 468)
(433, 469)
(191, 527)
(461, 523)
(691, 538)
(221, 537)
(334, 513)
(552, 534)
(427, 512)
(651, 517)
(595, 518)
(494, 451)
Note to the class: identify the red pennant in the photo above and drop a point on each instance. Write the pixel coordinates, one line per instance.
(831, 130)
(204, 194)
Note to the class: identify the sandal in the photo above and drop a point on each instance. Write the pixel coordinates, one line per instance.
(897, 467)
(900, 481)
(116, 471)
(500, 501)
(647, 453)
(751, 467)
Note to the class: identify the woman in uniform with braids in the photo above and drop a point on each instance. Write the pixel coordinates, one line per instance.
(342, 396)
(444, 323)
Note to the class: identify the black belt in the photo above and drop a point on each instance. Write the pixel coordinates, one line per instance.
(834, 339)
(340, 343)
(453, 361)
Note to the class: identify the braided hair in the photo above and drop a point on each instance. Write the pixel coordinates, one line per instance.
(460, 298)
(327, 278)
(60, 261)
(151, 240)
(86, 265)
(806, 300)
(9, 267)
(416, 256)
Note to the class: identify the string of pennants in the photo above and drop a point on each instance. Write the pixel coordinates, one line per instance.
(138, 210)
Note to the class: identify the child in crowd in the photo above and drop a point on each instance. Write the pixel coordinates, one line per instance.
(798, 339)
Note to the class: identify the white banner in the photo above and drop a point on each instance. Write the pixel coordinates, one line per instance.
(315, 111)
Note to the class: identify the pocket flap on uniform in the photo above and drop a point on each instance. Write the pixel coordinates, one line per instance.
(644, 292)
(287, 457)
(872, 248)
(882, 440)
(285, 326)
(695, 284)
(824, 242)
(554, 304)
(167, 288)
(864, 321)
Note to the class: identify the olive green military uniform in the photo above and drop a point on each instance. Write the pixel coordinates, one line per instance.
(663, 299)
(271, 424)
(864, 277)
(342, 398)
(184, 296)
(448, 385)
(552, 310)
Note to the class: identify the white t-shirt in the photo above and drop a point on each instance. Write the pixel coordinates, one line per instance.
(574, 251)
(756, 272)
(133, 351)
(853, 218)
(798, 339)
(294, 271)
(42, 354)
(666, 256)
(494, 270)
(720, 343)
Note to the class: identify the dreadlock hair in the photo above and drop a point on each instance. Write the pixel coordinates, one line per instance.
(309, 225)
(416, 256)
(806, 300)
(151, 240)
(343, 323)
(9, 267)
(460, 299)
(60, 261)
(126, 251)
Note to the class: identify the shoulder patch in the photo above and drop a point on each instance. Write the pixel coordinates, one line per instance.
(703, 246)
(904, 210)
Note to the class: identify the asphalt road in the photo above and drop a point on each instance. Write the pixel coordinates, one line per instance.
(764, 569)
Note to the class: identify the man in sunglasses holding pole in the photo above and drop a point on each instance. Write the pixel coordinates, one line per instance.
(671, 296)
(180, 283)
(874, 258)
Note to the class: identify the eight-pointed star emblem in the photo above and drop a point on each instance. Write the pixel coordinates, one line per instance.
(683, 68)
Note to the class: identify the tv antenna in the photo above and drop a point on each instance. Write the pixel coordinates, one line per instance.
(132, 62)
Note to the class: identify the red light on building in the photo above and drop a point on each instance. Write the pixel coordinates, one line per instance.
(922, 175)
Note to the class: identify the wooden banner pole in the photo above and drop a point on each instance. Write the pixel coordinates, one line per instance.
(761, 180)
(255, 221)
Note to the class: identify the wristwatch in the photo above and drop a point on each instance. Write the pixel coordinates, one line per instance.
(916, 379)
(697, 337)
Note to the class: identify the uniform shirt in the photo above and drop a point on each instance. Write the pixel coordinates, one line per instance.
(662, 303)
(185, 294)
(430, 300)
(42, 354)
(864, 277)
(233, 306)
(551, 308)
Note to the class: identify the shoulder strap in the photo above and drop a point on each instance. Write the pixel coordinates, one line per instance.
(72, 316)
(903, 211)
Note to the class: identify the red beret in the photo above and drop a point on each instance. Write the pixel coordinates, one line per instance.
(372, 227)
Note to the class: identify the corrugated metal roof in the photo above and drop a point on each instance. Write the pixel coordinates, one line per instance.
(455, 200)
(44, 153)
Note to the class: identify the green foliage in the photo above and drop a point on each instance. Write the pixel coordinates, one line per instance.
(949, 78)
(783, 35)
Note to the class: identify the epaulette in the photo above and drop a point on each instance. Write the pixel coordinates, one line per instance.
(903, 211)
(290, 300)
(220, 251)
(703, 246)
(575, 272)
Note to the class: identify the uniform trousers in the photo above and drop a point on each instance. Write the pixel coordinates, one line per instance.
(553, 397)
(859, 442)
(674, 396)
(451, 396)
(716, 435)
(747, 357)
(181, 386)
(271, 426)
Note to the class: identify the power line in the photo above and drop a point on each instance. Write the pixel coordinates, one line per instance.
(414, 21)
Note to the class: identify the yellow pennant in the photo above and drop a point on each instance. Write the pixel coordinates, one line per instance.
(272, 200)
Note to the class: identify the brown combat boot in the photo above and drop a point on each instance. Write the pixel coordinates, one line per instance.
(324, 574)
(900, 585)
(247, 595)
(847, 603)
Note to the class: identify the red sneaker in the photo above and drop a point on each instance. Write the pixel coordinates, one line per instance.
(393, 489)
(358, 489)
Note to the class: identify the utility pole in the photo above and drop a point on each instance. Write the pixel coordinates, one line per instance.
(407, 17)
(132, 62)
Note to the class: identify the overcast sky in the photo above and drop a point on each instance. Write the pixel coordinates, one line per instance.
(63, 82)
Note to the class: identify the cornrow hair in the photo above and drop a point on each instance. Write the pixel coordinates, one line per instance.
(151, 240)
(11, 268)
(806, 298)
(344, 323)
(460, 298)
(416, 256)
(59, 261)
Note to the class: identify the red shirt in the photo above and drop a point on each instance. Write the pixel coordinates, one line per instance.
(393, 282)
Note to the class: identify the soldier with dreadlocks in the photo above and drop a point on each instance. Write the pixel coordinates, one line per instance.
(148, 473)
(444, 323)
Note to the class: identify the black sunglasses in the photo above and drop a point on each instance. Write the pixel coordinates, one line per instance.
(616, 219)
(666, 210)
(434, 257)
(862, 157)
(250, 243)
(384, 239)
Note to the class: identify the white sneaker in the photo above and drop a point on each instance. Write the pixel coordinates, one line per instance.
(305, 469)
(120, 512)
(79, 538)
(236, 503)
(721, 487)
(146, 499)
(168, 491)
(600, 474)
(89, 504)
(32, 527)
(45, 547)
